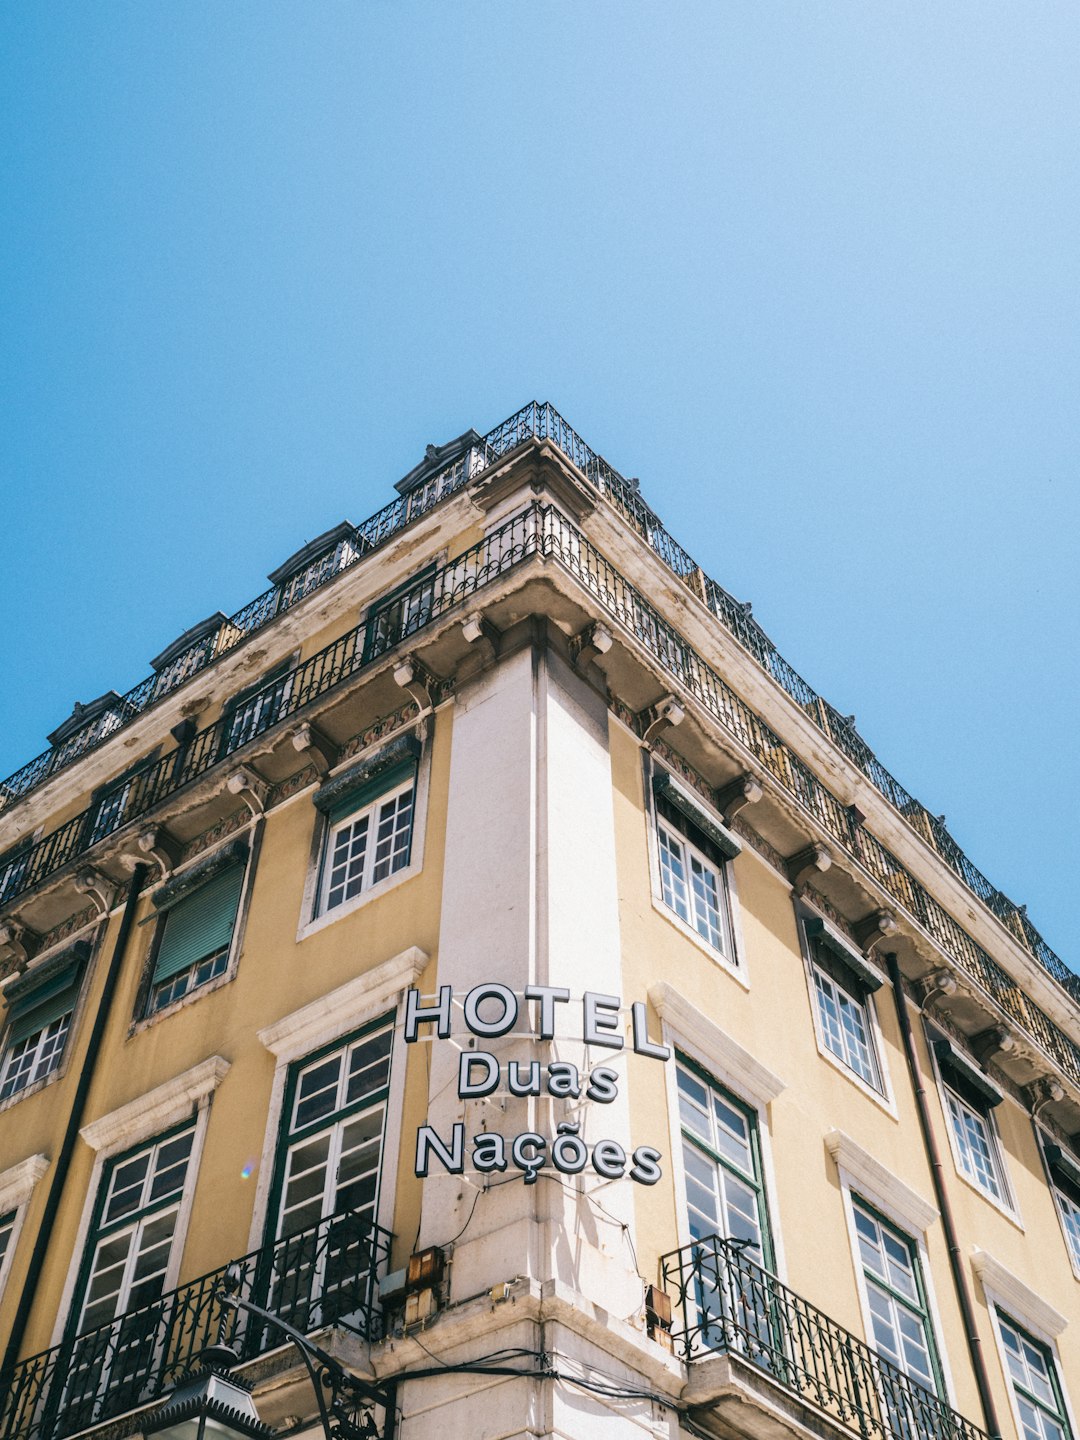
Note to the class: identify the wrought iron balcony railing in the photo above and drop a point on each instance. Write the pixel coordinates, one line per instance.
(543, 530)
(543, 422)
(325, 1275)
(724, 1303)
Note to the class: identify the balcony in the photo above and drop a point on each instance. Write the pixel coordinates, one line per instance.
(326, 1275)
(726, 1306)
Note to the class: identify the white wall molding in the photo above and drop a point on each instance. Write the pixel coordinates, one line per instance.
(155, 1111)
(343, 1009)
(874, 1182)
(17, 1183)
(715, 1048)
(1020, 1302)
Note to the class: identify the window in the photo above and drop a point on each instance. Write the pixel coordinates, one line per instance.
(128, 1259)
(976, 1146)
(195, 938)
(842, 983)
(725, 1203)
(900, 1323)
(252, 712)
(120, 800)
(969, 1097)
(693, 853)
(400, 613)
(42, 1003)
(334, 1121)
(369, 836)
(7, 1231)
(1064, 1169)
(14, 867)
(1035, 1385)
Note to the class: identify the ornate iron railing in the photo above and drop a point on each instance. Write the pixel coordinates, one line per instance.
(279, 699)
(325, 1275)
(543, 530)
(543, 422)
(723, 1302)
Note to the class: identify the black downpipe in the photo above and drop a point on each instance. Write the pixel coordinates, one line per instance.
(63, 1163)
(933, 1155)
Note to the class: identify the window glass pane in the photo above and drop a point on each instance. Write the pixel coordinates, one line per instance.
(34, 1057)
(368, 846)
(724, 1193)
(974, 1145)
(1035, 1384)
(693, 887)
(899, 1321)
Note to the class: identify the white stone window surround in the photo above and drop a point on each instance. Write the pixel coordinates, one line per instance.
(1009, 1297)
(863, 1177)
(16, 1186)
(884, 1097)
(735, 963)
(328, 1018)
(1006, 1204)
(132, 1124)
(687, 1030)
(311, 921)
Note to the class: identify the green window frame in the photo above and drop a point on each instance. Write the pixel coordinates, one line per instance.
(901, 1329)
(194, 940)
(722, 1164)
(129, 1252)
(1035, 1385)
(328, 1175)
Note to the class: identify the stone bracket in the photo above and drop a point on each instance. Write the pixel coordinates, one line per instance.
(664, 715)
(744, 790)
(595, 640)
(97, 887)
(161, 847)
(426, 688)
(308, 740)
(250, 787)
(807, 864)
(993, 1043)
(18, 942)
(874, 928)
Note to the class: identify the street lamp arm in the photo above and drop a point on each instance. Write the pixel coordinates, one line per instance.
(343, 1387)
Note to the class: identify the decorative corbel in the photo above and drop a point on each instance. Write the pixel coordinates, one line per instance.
(98, 887)
(158, 845)
(589, 644)
(309, 741)
(478, 627)
(735, 796)
(18, 942)
(664, 715)
(415, 678)
(990, 1044)
(806, 864)
(937, 983)
(1046, 1090)
(250, 787)
(874, 928)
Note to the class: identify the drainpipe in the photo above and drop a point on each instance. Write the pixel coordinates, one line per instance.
(933, 1156)
(63, 1163)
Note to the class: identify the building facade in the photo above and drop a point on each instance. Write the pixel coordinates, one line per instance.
(487, 956)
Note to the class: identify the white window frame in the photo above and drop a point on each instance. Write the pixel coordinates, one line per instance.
(313, 917)
(39, 1039)
(731, 956)
(1006, 1202)
(1070, 1235)
(331, 1017)
(372, 813)
(161, 1109)
(881, 1093)
(1008, 1297)
(16, 1187)
(74, 1016)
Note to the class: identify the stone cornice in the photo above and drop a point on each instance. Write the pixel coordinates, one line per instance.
(724, 1055)
(17, 1183)
(878, 1184)
(1018, 1298)
(161, 1107)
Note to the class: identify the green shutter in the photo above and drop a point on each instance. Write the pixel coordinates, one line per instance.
(200, 924)
(380, 784)
(40, 1007)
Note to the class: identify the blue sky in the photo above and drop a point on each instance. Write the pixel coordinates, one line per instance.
(809, 270)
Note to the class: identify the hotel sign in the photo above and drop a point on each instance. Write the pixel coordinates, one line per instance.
(492, 1010)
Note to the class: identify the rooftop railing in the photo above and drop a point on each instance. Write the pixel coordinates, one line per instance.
(325, 1275)
(724, 1303)
(541, 529)
(543, 422)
